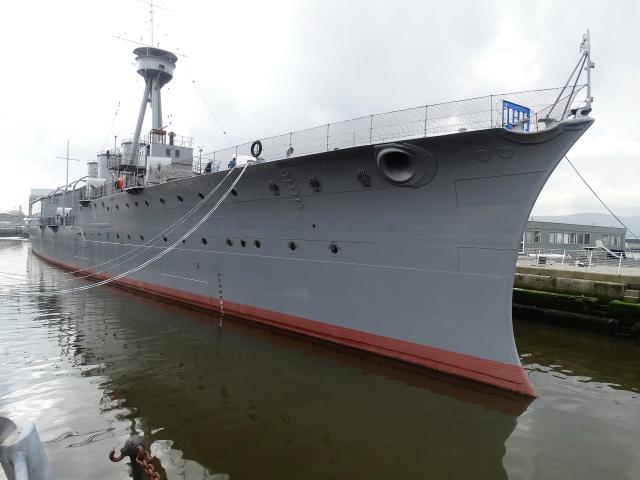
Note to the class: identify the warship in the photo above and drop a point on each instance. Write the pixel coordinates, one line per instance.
(395, 233)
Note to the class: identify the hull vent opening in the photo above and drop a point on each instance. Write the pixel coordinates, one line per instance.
(314, 183)
(364, 178)
(273, 186)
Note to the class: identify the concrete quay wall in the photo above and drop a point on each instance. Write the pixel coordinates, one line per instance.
(589, 300)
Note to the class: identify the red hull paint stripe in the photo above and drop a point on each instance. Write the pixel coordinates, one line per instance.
(502, 375)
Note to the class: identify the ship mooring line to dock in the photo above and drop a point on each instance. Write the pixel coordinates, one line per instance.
(167, 250)
(600, 199)
(156, 239)
(140, 248)
(155, 257)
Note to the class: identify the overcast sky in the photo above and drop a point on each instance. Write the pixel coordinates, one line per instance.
(269, 67)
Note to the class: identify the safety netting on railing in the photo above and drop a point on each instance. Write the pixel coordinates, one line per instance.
(424, 121)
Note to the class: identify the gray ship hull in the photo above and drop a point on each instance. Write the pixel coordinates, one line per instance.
(422, 273)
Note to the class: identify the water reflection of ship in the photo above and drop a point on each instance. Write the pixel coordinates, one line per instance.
(295, 408)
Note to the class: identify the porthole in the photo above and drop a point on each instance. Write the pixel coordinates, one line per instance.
(201, 196)
(243, 243)
(184, 240)
(204, 241)
(229, 242)
(162, 201)
(129, 236)
(95, 205)
(313, 225)
(257, 243)
(146, 202)
(292, 246)
(141, 237)
(180, 199)
(98, 233)
(102, 204)
(107, 209)
(333, 248)
(164, 238)
(234, 192)
(117, 207)
(127, 205)
(136, 204)
(117, 235)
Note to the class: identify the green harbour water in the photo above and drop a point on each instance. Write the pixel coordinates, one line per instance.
(222, 398)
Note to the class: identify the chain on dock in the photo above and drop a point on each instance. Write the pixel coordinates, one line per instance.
(140, 458)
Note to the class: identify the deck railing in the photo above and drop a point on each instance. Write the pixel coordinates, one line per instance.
(424, 121)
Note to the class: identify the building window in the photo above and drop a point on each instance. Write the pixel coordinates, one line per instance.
(537, 236)
(572, 238)
(177, 153)
(581, 238)
(605, 239)
(167, 152)
(552, 237)
(528, 236)
(587, 238)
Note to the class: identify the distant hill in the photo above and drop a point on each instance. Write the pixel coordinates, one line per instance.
(601, 219)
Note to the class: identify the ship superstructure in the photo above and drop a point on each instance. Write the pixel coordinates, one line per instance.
(395, 233)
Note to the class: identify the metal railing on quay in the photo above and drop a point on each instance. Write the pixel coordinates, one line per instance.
(597, 259)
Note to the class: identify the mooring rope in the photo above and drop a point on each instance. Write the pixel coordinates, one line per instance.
(600, 199)
(140, 248)
(151, 260)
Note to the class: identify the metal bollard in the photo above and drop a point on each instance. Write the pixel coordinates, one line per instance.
(21, 453)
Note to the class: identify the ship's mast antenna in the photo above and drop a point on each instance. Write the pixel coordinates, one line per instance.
(586, 48)
(67, 158)
(152, 7)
